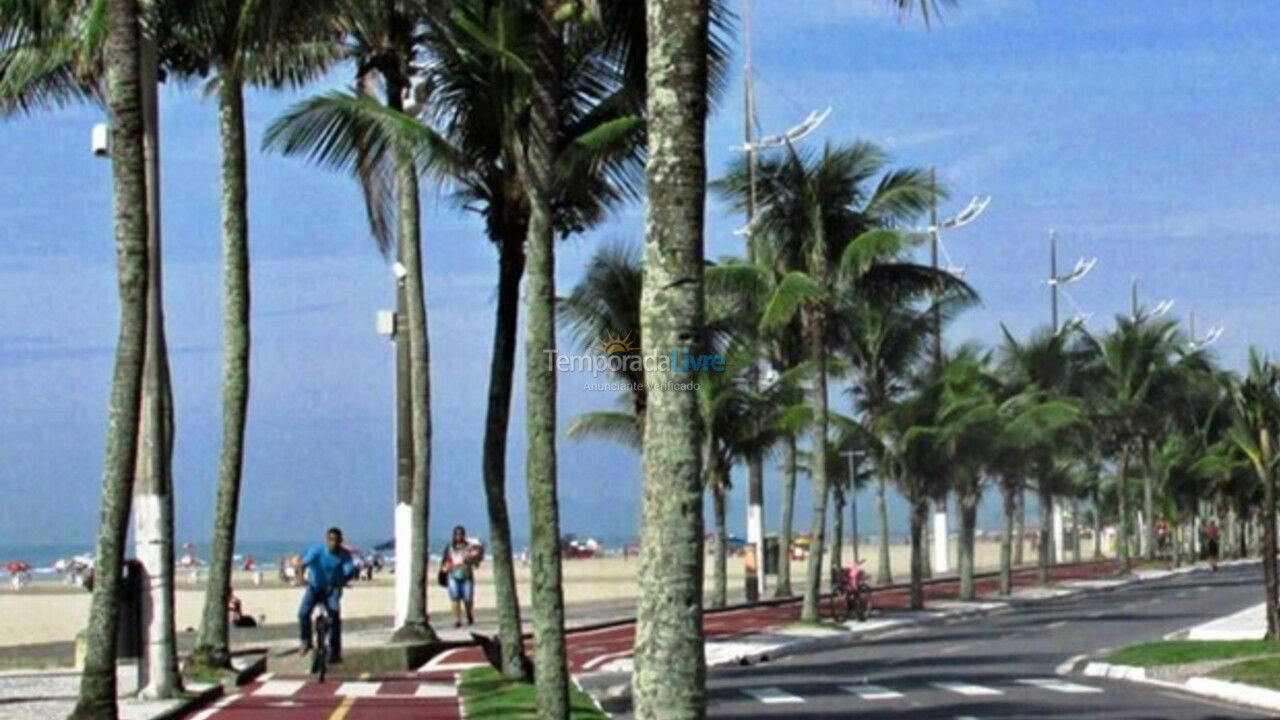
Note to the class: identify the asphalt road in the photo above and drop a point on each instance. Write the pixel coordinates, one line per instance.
(997, 666)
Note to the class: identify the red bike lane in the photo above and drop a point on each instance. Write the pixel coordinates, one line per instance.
(429, 693)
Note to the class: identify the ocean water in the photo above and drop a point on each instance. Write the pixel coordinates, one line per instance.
(41, 557)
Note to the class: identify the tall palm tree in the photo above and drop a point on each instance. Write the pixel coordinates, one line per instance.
(380, 145)
(97, 697)
(1129, 369)
(53, 54)
(241, 42)
(670, 668)
(815, 205)
(1254, 433)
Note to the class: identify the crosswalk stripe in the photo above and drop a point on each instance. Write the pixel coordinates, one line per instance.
(872, 692)
(435, 690)
(773, 696)
(1061, 686)
(964, 688)
(279, 688)
(358, 689)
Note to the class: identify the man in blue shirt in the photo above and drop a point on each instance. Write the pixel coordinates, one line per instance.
(328, 567)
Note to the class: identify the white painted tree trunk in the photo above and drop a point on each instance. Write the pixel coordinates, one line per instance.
(404, 541)
(1058, 535)
(150, 520)
(941, 556)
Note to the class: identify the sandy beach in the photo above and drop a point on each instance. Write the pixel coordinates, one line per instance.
(53, 612)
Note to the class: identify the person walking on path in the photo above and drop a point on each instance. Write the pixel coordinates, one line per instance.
(457, 569)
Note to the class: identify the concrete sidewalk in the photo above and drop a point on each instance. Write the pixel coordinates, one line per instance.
(51, 695)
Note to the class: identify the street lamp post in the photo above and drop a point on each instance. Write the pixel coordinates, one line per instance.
(854, 457)
(1082, 268)
(941, 556)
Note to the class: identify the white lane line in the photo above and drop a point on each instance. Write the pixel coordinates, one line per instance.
(1097, 613)
(1061, 686)
(606, 657)
(964, 688)
(1055, 624)
(436, 690)
(966, 717)
(213, 709)
(773, 696)
(279, 688)
(952, 649)
(358, 689)
(872, 692)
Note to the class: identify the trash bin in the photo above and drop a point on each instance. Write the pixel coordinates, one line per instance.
(129, 629)
(771, 555)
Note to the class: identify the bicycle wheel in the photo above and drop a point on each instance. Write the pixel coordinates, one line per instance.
(840, 606)
(860, 607)
(320, 660)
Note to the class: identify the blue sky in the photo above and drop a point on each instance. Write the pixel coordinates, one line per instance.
(1144, 132)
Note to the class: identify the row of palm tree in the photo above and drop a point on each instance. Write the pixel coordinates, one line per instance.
(541, 117)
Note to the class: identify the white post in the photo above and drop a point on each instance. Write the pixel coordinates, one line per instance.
(1057, 532)
(1142, 534)
(755, 538)
(404, 532)
(941, 558)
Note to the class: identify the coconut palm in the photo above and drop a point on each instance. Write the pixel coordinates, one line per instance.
(378, 143)
(1254, 433)
(122, 61)
(1129, 368)
(813, 206)
(670, 667)
(53, 54)
(241, 43)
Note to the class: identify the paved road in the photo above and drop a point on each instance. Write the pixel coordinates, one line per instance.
(999, 666)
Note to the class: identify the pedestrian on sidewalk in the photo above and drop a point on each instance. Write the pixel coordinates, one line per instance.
(457, 567)
(1212, 534)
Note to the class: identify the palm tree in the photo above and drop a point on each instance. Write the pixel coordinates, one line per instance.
(53, 54)
(242, 42)
(1129, 369)
(124, 102)
(670, 667)
(813, 206)
(380, 144)
(1254, 433)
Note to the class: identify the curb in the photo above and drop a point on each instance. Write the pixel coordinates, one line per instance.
(195, 702)
(1200, 686)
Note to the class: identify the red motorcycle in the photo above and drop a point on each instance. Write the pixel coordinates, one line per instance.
(850, 593)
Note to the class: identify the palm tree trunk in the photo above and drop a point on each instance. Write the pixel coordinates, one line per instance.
(153, 486)
(837, 526)
(1009, 496)
(409, 241)
(97, 699)
(1097, 526)
(214, 644)
(1270, 573)
(919, 516)
(1045, 556)
(1122, 494)
(884, 573)
(501, 374)
(1020, 527)
(818, 468)
(669, 682)
(788, 516)
(720, 588)
(551, 668)
(968, 502)
(1075, 529)
(1148, 506)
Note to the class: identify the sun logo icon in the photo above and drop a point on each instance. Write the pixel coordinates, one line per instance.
(614, 345)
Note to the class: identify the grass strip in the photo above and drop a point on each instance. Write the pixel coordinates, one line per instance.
(487, 695)
(1263, 672)
(1181, 652)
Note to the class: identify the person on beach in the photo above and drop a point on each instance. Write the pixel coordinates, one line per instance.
(327, 567)
(458, 562)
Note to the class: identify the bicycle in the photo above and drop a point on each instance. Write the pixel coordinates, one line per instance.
(320, 641)
(850, 593)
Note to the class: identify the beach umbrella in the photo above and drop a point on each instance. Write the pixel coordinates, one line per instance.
(16, 566)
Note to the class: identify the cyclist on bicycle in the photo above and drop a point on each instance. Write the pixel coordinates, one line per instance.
(328, 567)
